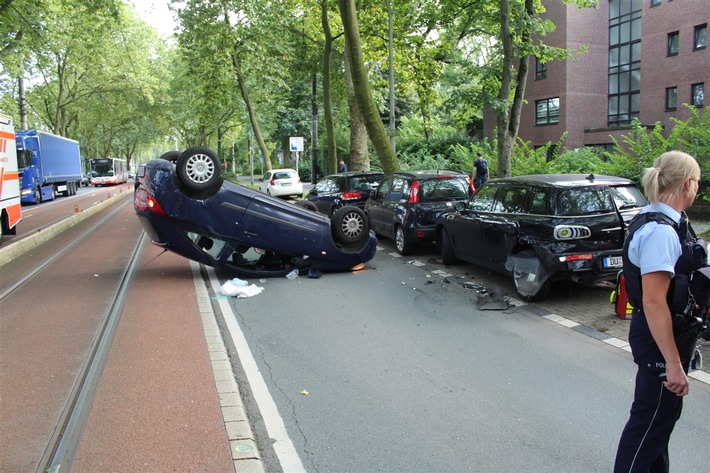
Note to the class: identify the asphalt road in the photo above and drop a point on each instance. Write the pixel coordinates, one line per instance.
(395, 369)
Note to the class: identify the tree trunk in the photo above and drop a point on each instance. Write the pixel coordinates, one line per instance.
(359, 156)
(509, 118)
(250, 111)
(327, 103)
(375, 128)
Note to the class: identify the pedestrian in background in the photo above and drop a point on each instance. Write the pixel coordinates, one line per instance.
(657, 256)
(480, 171)
(342, 167)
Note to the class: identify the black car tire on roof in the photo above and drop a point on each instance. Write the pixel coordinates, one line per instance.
(171, 156)
(199, 171)
(350, 226)
(307, 204)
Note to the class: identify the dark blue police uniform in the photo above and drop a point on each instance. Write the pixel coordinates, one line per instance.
(643, 446)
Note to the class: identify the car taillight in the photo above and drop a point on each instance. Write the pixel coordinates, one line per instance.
(351, 196)
(472, 187)
(414, 193)
(572, 232)
(272, 181)
(582, 257)
(154, 206)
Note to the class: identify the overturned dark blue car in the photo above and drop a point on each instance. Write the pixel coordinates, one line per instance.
(186, 207)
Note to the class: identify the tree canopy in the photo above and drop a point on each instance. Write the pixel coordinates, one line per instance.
(244, 77)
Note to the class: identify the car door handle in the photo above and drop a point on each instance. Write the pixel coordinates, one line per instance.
(251, 234)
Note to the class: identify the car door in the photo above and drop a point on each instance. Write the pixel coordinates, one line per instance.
(465, 228)
(393, 201)
(373, 208)
(499, 227)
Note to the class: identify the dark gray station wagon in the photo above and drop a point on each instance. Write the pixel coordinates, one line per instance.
(543, 228)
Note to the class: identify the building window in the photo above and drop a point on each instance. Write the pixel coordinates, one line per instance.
(655, 3)
(671, 98)
(547, 111)
(540, 70)
(697, 92)
(673, 40)
(701, 37)
(624, 60)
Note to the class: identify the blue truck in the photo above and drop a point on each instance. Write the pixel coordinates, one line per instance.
(49, 165)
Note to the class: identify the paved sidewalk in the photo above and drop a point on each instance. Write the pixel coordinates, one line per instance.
(167, 400)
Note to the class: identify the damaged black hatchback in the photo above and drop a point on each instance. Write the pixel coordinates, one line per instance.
(543, 228)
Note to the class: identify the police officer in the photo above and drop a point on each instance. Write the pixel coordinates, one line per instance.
(654, 259)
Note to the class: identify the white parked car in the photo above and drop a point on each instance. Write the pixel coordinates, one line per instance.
(281, 183)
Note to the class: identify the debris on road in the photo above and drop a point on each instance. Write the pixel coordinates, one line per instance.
(239, 288)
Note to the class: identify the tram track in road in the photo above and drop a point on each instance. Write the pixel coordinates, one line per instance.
(66, 437)
(6, 292)
(60, 306)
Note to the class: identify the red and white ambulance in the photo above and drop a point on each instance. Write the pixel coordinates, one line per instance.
(10, 207)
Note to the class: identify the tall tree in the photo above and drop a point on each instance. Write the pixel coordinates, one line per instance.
(375, 128)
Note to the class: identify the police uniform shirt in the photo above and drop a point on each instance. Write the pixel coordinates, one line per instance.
(655, 246)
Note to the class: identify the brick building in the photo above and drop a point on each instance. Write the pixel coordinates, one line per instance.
(644, 59)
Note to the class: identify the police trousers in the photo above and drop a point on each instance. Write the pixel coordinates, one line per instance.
(643, 446)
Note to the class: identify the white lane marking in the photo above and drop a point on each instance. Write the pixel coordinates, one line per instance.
(275, 427)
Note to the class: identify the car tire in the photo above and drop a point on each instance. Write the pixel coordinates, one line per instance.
(199, 171)
(448, 255)
(171, 156)
(308, 205)
(404, 248)
(349, 226)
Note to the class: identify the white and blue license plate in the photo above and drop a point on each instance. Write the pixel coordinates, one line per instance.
(613, 262)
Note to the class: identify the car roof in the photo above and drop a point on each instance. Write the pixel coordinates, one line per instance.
(425, 173)
(355, 174)
(563, 180)
(282, 169)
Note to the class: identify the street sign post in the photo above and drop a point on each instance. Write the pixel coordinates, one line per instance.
(296, 145)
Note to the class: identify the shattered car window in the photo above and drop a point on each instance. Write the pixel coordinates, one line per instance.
(627, 197)
(483, 200)
(585, 201)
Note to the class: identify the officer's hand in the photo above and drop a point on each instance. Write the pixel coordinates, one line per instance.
(676, 380)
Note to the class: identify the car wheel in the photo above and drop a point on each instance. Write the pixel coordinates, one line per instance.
(171, 156)
(349, 226)
(447, 248)
(403, 247)
(308, 205)
(199, 170)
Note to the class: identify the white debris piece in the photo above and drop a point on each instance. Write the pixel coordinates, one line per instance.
(239, 288)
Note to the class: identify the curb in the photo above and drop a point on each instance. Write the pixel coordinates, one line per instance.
(242, 442)
(18, 248)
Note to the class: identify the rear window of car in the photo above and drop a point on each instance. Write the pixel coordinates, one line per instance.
(284, 175)
(432, 190)
(364, 182)
(584, 201)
